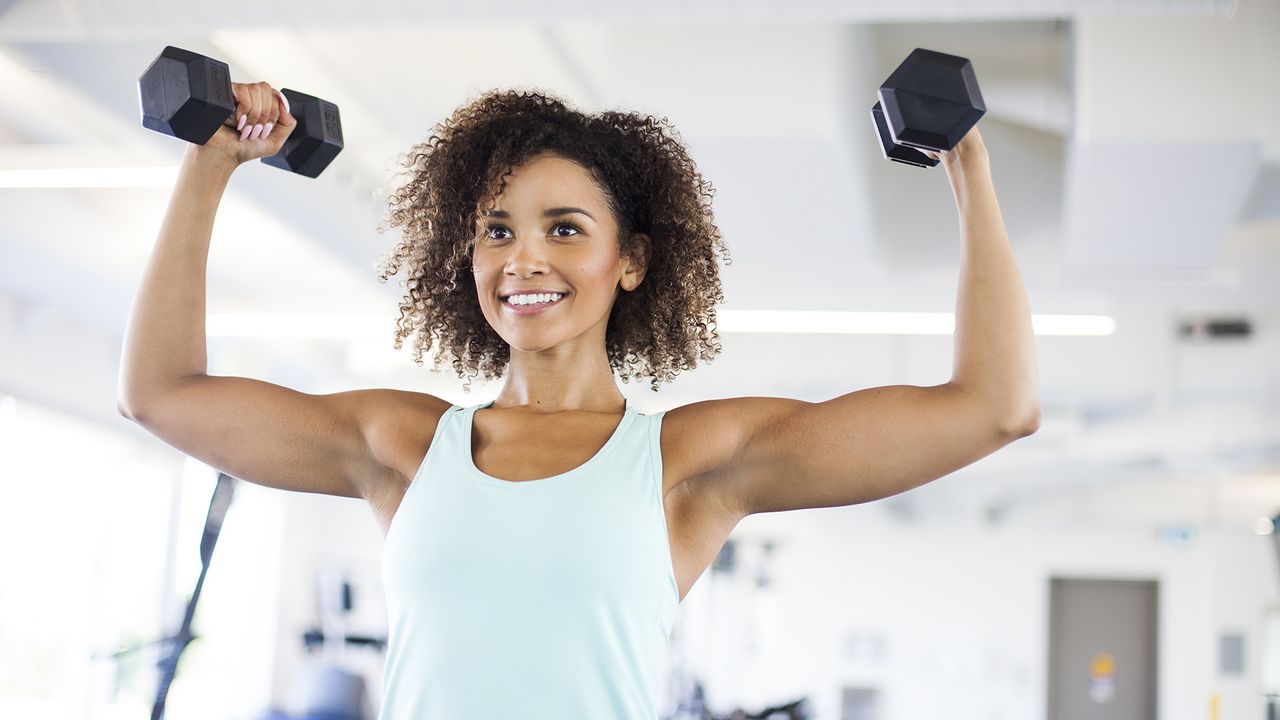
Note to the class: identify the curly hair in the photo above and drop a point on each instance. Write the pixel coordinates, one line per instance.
(650, 183)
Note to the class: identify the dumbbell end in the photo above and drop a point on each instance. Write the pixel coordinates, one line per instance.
(185, 95)
(317, 139)
(922, 121)
(931, 100)
(893, 151)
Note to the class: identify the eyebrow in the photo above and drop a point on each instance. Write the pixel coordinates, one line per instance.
(549, 212)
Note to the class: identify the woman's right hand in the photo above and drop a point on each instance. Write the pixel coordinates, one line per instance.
(258, 128)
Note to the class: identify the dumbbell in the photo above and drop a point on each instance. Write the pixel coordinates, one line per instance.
(188, 96)
(930, 101)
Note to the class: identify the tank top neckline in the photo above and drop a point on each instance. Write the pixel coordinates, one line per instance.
(469, 462)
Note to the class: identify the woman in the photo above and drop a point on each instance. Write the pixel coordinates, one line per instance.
(538, 545)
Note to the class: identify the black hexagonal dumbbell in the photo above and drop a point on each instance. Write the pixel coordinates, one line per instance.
(930, 101)
(188, 95)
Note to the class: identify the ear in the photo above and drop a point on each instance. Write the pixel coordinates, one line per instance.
(638, 253)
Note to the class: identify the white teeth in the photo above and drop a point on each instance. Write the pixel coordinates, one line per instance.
(534, 299)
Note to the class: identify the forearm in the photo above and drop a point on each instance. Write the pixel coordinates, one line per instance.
(165, 337)
(994, 343)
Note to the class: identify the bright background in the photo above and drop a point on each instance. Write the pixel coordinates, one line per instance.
(1135, 147)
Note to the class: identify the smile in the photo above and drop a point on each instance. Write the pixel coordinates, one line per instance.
(533, 309)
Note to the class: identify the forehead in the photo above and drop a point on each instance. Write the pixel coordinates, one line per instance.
(549, 179)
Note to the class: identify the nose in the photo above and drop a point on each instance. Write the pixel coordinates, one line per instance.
(525, 257)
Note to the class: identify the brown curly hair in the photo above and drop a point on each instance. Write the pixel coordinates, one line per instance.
(650, 183)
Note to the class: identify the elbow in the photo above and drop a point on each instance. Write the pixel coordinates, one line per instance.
(1022, 424)
(127, 410)
(1014, 415)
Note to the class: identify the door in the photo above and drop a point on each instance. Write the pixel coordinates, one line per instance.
(1103, 649)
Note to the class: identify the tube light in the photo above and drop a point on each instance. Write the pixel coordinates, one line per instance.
(892, 323)
(357, 327)
(155, 176)
(331, 327)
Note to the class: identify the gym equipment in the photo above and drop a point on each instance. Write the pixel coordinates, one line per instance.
(188, 96)
(930, 101)
(172, 646)
(694, 707)
(321, 691)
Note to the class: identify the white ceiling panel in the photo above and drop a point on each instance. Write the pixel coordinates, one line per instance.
(76, 19)
(1155, 205)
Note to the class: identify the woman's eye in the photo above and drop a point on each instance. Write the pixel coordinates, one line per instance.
(490, 230)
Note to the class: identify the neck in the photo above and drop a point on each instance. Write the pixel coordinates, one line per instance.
(547, 388)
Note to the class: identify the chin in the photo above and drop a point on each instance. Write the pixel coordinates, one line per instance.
(529, 348)
(529, 342)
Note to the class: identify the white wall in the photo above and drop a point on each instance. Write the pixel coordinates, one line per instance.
(963, 610)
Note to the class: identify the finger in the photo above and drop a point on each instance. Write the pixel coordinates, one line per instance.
(273, 113)
(268, 110)
(243, 104)
(285, 101)
(285, 118)
(251, 111)
(262, 104)
(246, 128)
(273, 107)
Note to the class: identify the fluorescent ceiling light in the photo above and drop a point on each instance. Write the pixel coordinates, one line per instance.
(1073, 324)
(333, 327)
(358, 327)
(156, 176)
(892, 323)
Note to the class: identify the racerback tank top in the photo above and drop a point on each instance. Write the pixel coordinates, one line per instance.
(549, 598)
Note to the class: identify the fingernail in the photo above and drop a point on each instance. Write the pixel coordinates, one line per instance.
(286, 102)
(242, 119)
(257, 132)
(266, 129)
(245, 133)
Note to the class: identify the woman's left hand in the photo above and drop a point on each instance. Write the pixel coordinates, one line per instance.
(969, 145)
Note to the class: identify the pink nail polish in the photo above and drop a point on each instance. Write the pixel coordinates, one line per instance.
(244, 134)
(242, 119)
(266, 129)
(257, 132)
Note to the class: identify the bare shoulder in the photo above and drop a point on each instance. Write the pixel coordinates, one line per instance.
(399, 425)
(700, 441)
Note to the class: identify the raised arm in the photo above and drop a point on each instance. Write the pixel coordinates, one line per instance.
(763, 454)
(338, 444)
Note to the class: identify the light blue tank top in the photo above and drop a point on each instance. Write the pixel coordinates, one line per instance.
(550, 598)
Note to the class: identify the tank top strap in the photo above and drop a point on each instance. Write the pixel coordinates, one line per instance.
(442, 426)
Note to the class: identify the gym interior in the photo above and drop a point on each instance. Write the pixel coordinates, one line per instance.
(1121, 562)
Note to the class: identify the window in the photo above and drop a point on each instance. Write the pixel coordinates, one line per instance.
(100, 535)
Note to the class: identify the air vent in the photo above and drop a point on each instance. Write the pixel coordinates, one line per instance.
(1219, 328)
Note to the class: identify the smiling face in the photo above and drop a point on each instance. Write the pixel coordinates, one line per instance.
(551, 229)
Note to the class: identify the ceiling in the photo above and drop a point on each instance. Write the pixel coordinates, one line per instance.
(1135, 148)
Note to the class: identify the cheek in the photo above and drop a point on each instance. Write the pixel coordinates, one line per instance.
(600, 271)
(485, 289)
